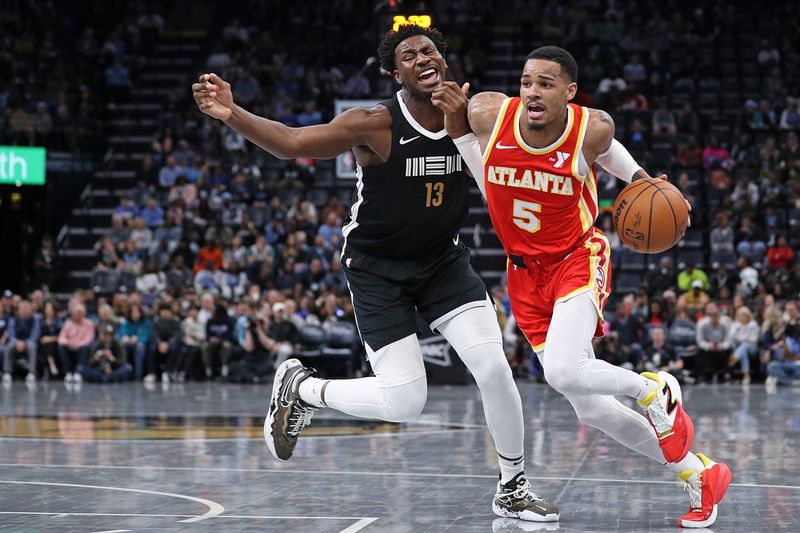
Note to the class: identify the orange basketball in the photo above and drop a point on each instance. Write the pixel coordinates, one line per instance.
(650, 215)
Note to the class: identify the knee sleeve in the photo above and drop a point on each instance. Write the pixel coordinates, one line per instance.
(404, 402)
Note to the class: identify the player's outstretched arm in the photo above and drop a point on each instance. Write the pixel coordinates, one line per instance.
(354, 127)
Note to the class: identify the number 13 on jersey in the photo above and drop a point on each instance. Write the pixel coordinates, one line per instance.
(434, 194)
(524, 216)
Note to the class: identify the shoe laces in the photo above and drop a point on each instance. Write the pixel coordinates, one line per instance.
(299, 418)
(658, 415)
(695, 490)
(524, 491)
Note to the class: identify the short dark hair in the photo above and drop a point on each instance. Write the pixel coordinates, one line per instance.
(393, 38)
(557, 55)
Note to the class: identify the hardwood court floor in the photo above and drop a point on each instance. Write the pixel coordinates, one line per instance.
(191, 458)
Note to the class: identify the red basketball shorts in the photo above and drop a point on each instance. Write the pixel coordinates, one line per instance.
(535, 290)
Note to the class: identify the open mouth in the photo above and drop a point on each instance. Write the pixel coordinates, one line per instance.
(535, 111)
(429, 77)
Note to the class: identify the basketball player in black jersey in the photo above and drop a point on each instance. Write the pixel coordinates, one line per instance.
(401, 253)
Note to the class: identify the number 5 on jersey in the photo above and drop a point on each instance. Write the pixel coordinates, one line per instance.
(434, 194)
(524, 216)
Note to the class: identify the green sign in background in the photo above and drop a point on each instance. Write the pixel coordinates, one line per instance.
(22, 165)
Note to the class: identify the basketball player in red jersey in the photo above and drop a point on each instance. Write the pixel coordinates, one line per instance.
(540, 184)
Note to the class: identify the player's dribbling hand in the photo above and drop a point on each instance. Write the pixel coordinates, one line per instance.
(453, 101)
(664, 178)
(213, 96)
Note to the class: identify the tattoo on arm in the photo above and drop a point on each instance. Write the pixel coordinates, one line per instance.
(639, 174)
(604, 117)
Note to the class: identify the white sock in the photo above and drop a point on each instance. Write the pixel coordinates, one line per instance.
(310, 391)
(510, 467)
(690, 462)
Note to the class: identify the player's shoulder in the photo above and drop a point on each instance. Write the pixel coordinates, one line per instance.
(599, 130)
(366, 118)
(485, 102)
(600, 118)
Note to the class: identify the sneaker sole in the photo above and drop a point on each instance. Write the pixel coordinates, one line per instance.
(528, 516)
(697, 525)
(273, 405)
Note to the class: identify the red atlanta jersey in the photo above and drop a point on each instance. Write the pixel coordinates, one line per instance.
(539, 203)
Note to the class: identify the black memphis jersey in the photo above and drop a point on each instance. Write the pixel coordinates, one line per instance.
(417, 200)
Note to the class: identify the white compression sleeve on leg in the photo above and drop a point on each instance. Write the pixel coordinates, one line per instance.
(618, 161)
(475, 335)
(470, 150)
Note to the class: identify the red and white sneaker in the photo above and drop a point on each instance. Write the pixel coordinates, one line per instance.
(706, 489)
(664, 409)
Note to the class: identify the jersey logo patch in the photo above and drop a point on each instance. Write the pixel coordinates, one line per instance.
(433, 165)
(600, 278)
(562, 158)
(406, 141)
(500, 146)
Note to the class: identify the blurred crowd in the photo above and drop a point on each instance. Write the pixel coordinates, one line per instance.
(218, 236)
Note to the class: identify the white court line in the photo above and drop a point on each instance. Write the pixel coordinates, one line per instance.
(214, 509)
(358, 526)
(239, 439)
(173, 515)
(361, 523)
(390, 474)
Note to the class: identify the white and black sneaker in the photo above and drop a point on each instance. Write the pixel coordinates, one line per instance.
(516, 499)
(287, 414)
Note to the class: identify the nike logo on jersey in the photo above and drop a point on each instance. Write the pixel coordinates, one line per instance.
(456, 239)
(406, 141)
(500, 146)
(562, 158)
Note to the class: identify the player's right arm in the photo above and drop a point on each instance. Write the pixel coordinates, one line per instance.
(482, 114)
(355, 127)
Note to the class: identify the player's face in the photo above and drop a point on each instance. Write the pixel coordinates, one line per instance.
(420, 66)
(545, 91)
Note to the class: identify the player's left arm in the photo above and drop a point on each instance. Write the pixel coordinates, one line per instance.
(600, 145)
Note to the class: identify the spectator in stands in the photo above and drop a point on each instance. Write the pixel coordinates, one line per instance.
(126, 208)
(790, 156)
(331, 230)
(751, 243)
(790, 117)
(660, 355)
(780, 255)
(748, 277)
(118, 80)
(259, 351)
(43, 124)
(283, 332)
(722, 282)
(695, 299)
(216, 349)
(784, 369)
(664, 122)
(134, 335)
(20, 126)
(50, 326)
(44, 263)
(763, 117)
(721, 240)
(744, 334)
(715, 154)
(310, 115)
(23, 341)
(689, 154)
(687, 120)
(193, 334)
(768, 55)
(356, 86)
(714, 342)
(631, 331)
(107, 361)
(745, 195)
(74, 341)
(169, 173)
(165, 348)
(152, 214)
(210, 253)
(690, 274)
